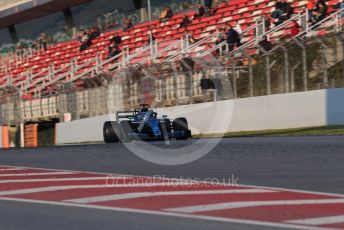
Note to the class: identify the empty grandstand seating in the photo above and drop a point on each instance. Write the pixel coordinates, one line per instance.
(58, 57)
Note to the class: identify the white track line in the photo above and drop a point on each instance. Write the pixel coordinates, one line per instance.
(169, 193)
(168, 214)
(319, 220)
(245, 204)
(64, 179)
(7, 167)
(37, 174)
(10, 169)
(59, 188)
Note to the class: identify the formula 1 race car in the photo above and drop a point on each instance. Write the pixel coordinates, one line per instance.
(144, 124)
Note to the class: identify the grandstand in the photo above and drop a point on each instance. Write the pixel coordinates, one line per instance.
(60, 55)
(62, 68)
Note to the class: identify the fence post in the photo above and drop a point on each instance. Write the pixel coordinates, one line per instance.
(292, 76)
(260, 28)
(235, 91)
(268, 74)
(175, 84)
(340, 37)
(303, 21)
(98, 62)
(257, 30)
(324, 67)
(30, 75)
(74, 32)
(22, 141)
(153, 50)
(304, 63)
(182, 44)
(151, 44)
(17, 109)
(268, 67)
(73, 103)
(286, 68)
(7, 111)
(187, 39)
(163, 90)
(72, 72)
(9, 79)
(250, 73)
(51, 72)
(126, 57)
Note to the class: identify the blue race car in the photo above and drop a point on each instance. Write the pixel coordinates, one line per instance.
(144, 124)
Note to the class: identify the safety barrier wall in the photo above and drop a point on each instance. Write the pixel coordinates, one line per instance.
(4, 137)
(281, 111)
(31, 135)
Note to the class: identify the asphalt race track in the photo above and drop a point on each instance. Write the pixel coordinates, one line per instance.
(312, 164)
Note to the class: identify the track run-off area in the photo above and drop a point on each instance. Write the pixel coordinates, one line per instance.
(244, 183)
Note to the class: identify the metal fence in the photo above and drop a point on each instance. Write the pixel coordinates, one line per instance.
(164, 85)
(299, 65)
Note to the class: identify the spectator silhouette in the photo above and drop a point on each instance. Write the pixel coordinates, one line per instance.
(42, 41)
(239, 31)
(200, 13)
(86, 41)
(294, 29)
(321, 13)
(266, 19)
(94, 32)
(310, 8)
(186, 21)
(166, 14)
(116, 39)
(287, 9)
(320, 2)
(114, 51)
(277, 15)
(127, 24)
(265, 44)
(283, 11)
(232, 38)
(221, 37)
(151, 38)
(208, 4)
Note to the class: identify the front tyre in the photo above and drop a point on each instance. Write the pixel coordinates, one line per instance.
(181, 125)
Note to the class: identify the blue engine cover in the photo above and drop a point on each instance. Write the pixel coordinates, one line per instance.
(154, 124)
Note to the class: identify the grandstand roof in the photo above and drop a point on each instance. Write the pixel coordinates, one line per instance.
(15, 12)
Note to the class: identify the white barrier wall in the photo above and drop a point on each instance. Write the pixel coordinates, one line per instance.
(282, 111)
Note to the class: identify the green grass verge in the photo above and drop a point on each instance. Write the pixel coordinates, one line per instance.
(311, 131)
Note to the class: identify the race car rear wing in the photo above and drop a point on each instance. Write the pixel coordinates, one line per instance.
(125, 114)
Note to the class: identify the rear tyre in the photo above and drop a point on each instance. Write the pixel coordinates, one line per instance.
(181, 125)
(110, 132)
(126, 129)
